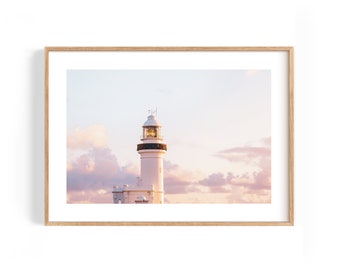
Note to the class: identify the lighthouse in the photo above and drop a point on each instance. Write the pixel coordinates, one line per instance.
(150, 185)
(151, 152)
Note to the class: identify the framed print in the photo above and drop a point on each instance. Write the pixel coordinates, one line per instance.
(169, 136)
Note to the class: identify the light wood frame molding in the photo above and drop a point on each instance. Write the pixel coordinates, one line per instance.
(290, 130)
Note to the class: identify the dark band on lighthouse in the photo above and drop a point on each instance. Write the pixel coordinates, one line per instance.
(150, 146)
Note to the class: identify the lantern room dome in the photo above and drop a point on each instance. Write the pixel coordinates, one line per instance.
(151, 121)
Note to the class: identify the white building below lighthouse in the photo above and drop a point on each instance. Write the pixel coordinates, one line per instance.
(150, 186)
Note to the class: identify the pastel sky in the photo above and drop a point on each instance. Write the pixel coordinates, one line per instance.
(216, 124)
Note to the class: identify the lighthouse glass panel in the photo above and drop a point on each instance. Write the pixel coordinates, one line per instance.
(151, 132)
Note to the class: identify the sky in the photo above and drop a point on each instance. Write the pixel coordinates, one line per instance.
(216, 124)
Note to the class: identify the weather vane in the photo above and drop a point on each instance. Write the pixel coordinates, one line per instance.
(153, 112)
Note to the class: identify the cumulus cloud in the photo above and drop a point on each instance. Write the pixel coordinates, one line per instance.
(216, 182)
(92, 136)
(247, 154)
(245, 188)
(93, 175)
(92, 168)
(93, 171)
(251, 186)
(262, 179)
(89, 196)
(177, 180)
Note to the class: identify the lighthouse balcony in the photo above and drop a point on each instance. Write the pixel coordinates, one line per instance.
(151, 146)
(124, 188)
(145, 138)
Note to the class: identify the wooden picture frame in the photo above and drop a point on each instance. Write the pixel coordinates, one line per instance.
(262, 204)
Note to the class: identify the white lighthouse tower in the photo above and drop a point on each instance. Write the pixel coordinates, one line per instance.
(151, 153)
(150, 186)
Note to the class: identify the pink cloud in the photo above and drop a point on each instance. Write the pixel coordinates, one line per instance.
(253, 153)
(216, 182)
(244, 154)
(262, 179)
(92, 176)
(94, 170)
(251, 186)
(89, 196)
(177, 180)
(245, 188)
(92, 136)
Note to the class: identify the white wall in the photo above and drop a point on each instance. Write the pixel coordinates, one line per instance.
(28, 26)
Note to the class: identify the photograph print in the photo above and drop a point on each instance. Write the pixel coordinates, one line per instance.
(168, 136)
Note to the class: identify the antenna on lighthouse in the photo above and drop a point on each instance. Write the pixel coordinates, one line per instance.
(153, 112)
